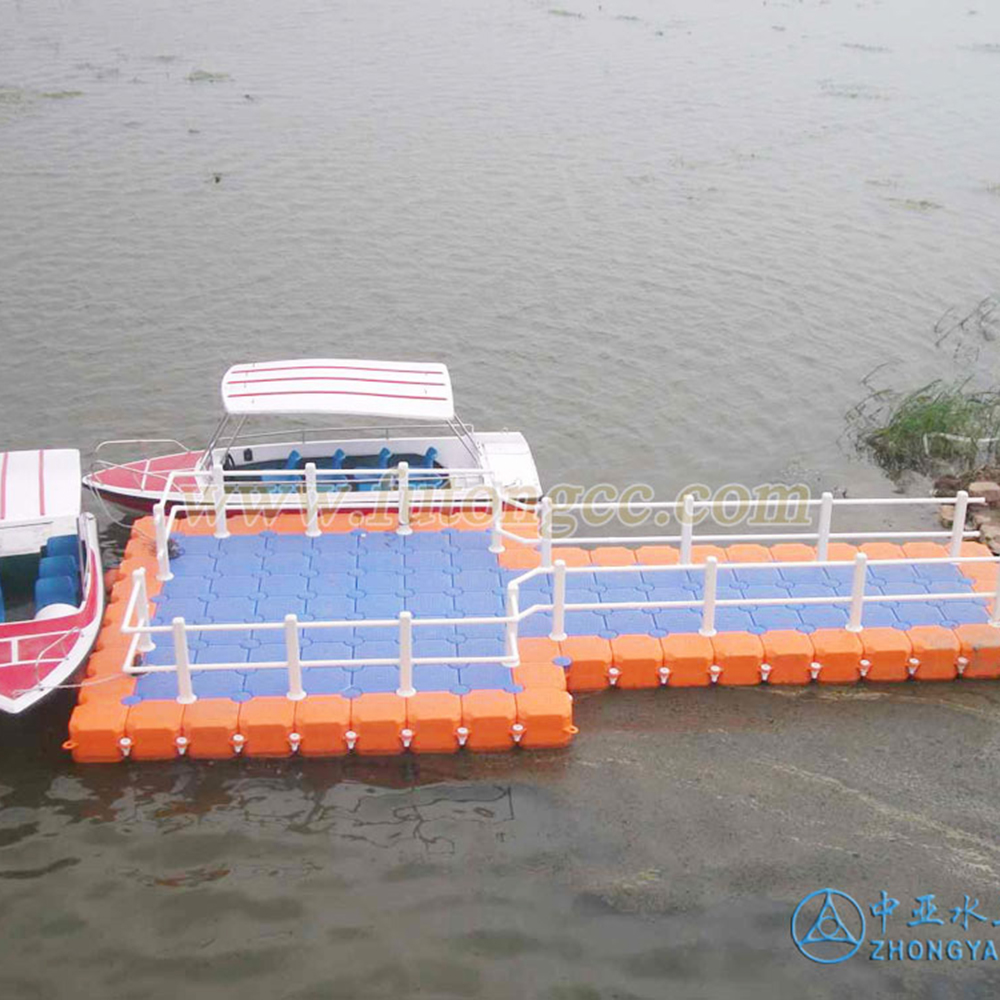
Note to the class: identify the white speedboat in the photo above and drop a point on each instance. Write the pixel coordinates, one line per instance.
(417, 424)
(51, 584)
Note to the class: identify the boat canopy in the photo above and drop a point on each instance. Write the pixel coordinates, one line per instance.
(39, 485)
(406, 390)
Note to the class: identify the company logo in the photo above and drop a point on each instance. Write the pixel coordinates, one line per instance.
(828, 926)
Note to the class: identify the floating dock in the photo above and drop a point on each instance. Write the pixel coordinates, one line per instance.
(356, 637)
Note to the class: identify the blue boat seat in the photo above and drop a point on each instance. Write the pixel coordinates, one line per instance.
(58, 566)
(381, 462)
(55, 590)
(285, 484)
(63, 545)
(336, 462)
(429, 482)
(3, 610)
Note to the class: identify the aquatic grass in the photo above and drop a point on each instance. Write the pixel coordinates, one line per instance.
(938, 426)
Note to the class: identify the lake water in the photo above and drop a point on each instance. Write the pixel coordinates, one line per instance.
(666, 241)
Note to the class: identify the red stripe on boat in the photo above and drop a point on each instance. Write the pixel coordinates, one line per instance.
(336, 392)
(345, 368)
(335, 378)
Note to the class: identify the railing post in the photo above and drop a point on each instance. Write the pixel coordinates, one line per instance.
(558, 633)
(958, 525)
(687, 530)
(708, 598)
(546, 532)
(512, 611)
(293, 657)
(825, 519)
(162, 552)
(185, 691)
(145, 643)
(406, 688)
(995, 611)
(219, 500)
(496, 539)
(404, 500)
(858, 592)
(312, 502)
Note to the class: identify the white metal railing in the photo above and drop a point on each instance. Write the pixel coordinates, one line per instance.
(136, 621)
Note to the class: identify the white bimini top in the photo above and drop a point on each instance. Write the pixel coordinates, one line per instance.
(39, 485)
(406, 390)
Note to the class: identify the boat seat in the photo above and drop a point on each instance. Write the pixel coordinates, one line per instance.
(55, 590)
(336, 462)
(285, 484)
(58, 566)
(429, 482)
(381, 461)
(63, 545)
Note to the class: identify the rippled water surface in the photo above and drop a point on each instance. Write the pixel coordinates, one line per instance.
(666, 241)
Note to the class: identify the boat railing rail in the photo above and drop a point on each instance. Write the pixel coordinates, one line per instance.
(136, 622)
(303, 435)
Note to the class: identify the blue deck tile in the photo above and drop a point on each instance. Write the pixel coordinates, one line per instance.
(430, 677)
(577, 622)
(775, 618)
(891, 587)
(879, 616)
(192, 565)
(334, 562)
(964, 612)
(487, 677)
(380, 562)
(231, 609)
(955, 586)
(157, 687)
(678, 620)
(733, 619)
(191, 609)
(380, 605)
(238, 546)
(225, 637)
(470, 539)
(479, 579)
(477, 603)
(840, 577)
(372, 633)
(327, 649)
(942, 573)
(669, 594)
(824, 616)
(197, 545)
(539, 625)
(619, 581)
(272, 609)
(284, 584)
(217, 683)
(162, 655)
(370, 649)
(231, 653)
(268, 683)
(236, 586)
(480, 646)
(267, 652)
(629, 622)
(188, 586)
(425, 541)
(241, 564)
(443, 633)
(912, 613)
(804, 575)
(766, 593)
(895, 574)
(755, 577)
(375, 680)
(428, 581)
(431, 605)
(534, 585)
(329, 607)
(466, 559)
(326, 680)
(284, 544)
(333, 583)
(430, 559)
(287, 562)
(623, 595)
(814, 590)
(381, 583)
